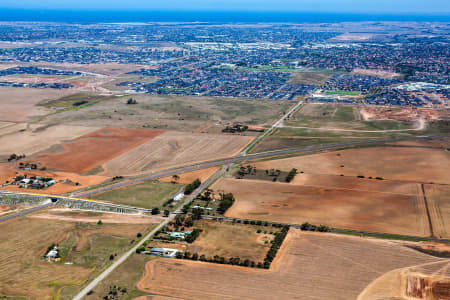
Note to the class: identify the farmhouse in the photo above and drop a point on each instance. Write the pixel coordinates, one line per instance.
(164, 252)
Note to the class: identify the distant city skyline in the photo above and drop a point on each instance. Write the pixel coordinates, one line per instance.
(331, 6)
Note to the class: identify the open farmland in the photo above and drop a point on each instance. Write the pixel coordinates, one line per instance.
(231, 240)
(309, 265)
(338, 207)
(87, 246)
(93, 149)
(416, 164)
(200, 114)
(147, 195)
(37, 138)
(172, 149)
(311, 77)
(20, 104)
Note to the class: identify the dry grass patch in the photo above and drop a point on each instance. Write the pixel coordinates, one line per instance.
(88, 246)
(37, 138)
(189, 177)
(231, 240)
(20, 104)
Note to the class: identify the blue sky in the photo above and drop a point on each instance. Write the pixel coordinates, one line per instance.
(349, 6)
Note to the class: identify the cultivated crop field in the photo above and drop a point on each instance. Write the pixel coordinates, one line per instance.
(147, 195)
(232, 240)
(302, 267)
(339, 206)
(93, 149)
(87, 246)
(172, 149)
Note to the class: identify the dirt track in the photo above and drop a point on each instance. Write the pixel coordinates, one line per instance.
(309, 266)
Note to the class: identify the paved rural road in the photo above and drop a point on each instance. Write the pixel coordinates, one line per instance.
(24, 212)
(124, 257)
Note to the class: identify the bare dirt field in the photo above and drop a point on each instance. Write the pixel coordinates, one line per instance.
(172, 149)
(20, 104)
(395, 163)
(231, 240)
(87, 246)
(378, 73)
(300, 270)
(62, 214)
(37, 138)
(369, 113)
(335, 207)
(187, 178)
(93, 149)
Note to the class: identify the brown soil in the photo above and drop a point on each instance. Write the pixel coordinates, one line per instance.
(93, 149)
(173, 149)
(338, 207)
(406, 164)
(301, 269)
(401, 114)
(187, 178)
(7, 172)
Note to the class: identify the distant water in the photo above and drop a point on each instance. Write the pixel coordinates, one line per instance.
(73, 16)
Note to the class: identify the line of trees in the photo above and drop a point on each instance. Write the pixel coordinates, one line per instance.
(276, 244)
(310, 227)
(235, 261)
(192, 186)
(190, 238)
(291, 175)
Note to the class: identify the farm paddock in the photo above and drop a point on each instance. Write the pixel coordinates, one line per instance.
(415, 164)
(339, 207)
(355, 263)
(173, 149)
(93, 149)
(88, 246)
(232, 240)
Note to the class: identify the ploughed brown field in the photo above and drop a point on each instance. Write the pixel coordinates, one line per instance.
(93, 149)
(308, 266)
(350, 206)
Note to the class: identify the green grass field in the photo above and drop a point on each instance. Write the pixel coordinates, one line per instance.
(346, 93)
(146, 195)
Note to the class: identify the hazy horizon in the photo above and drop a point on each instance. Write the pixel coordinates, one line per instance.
(267, 6)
